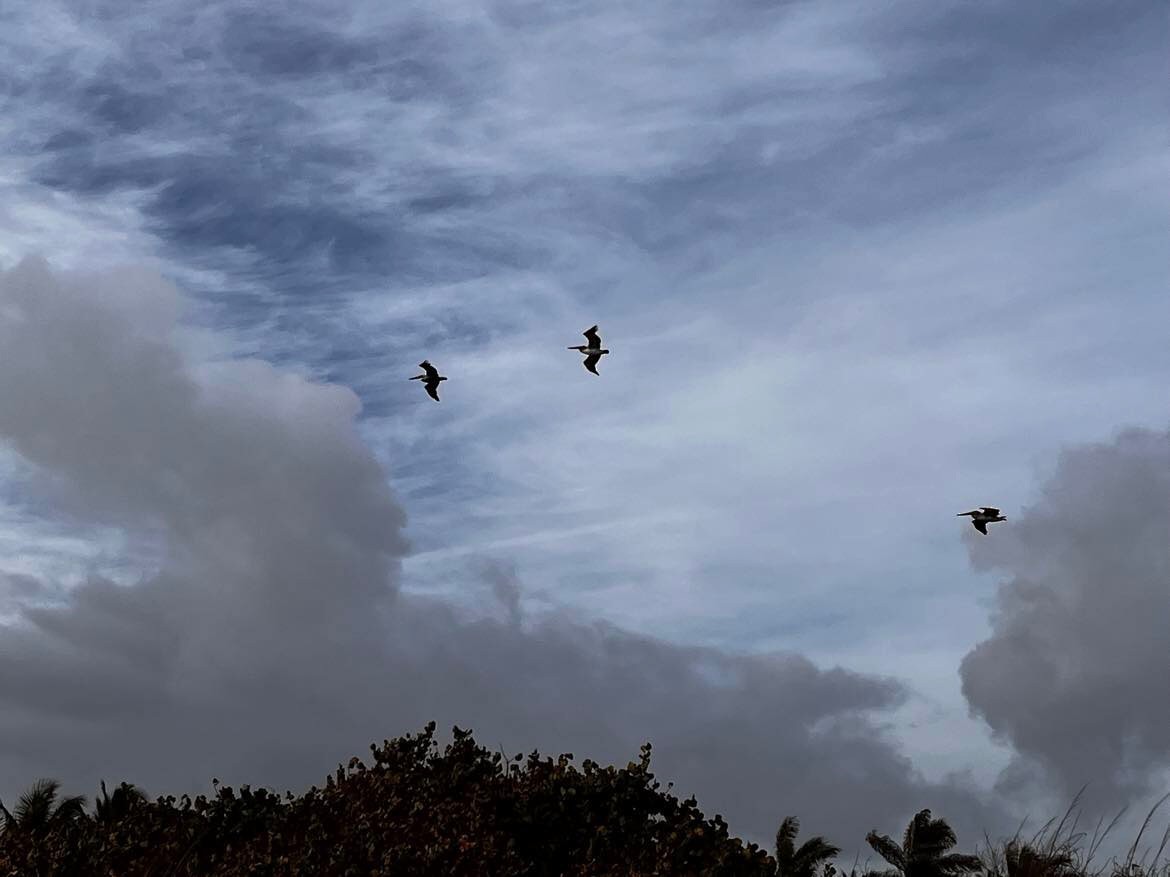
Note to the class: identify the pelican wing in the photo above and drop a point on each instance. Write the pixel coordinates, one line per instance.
(981, 526)
(591, 363)
(431, 371)
(592, 337)
(432, 389)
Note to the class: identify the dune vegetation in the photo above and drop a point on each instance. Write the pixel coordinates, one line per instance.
(420, 809)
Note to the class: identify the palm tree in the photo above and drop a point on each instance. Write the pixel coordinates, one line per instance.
(803, 862)
(39, 810)
(922, 851)
(109, 807)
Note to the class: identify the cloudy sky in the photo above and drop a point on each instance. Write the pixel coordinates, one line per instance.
(861, 266)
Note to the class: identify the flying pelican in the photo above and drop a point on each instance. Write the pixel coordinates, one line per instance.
(983, 516)
(593, 351)
(430, 379)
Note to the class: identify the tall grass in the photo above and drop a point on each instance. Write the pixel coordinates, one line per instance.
(1061, 848)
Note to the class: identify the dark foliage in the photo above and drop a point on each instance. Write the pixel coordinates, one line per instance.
(1024, 860)
(415, 810)
(923, 852)
(463, 810)
(805, 861)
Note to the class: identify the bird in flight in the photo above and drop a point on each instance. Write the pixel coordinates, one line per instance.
(430, 379)
(983, 516)
(592, 351)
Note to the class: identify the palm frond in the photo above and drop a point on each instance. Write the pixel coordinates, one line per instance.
(911, 827)
(69, 809)
(931, 837)
(39, 808)
(34, 807)
(1024, 860)
(887, 849)
(814, 851)
(786, 839)
(958, 863)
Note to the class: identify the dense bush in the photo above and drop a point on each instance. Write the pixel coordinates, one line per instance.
(415, 810)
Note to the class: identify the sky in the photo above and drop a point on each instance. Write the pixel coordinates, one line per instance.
(860, 266)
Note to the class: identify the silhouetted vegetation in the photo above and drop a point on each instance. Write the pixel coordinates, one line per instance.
(415, 810)
(923, 852)
(1060, 849)
(812, 855)
(419, 810)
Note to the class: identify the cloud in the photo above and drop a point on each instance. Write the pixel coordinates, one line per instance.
(839, 252)
(1074, 672)
(269, 639)
(505, 586)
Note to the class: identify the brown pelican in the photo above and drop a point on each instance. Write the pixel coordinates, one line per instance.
(981, 517)
(593, 351)
(430, 379)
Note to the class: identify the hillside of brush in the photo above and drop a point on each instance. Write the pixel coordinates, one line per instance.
(415, 808)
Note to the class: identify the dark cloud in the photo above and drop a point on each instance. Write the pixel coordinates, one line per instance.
(17, 587)
(1074, 673)
(259, 44)
(270, 640)
(204, 203)
(505, 585)
(123, 110)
